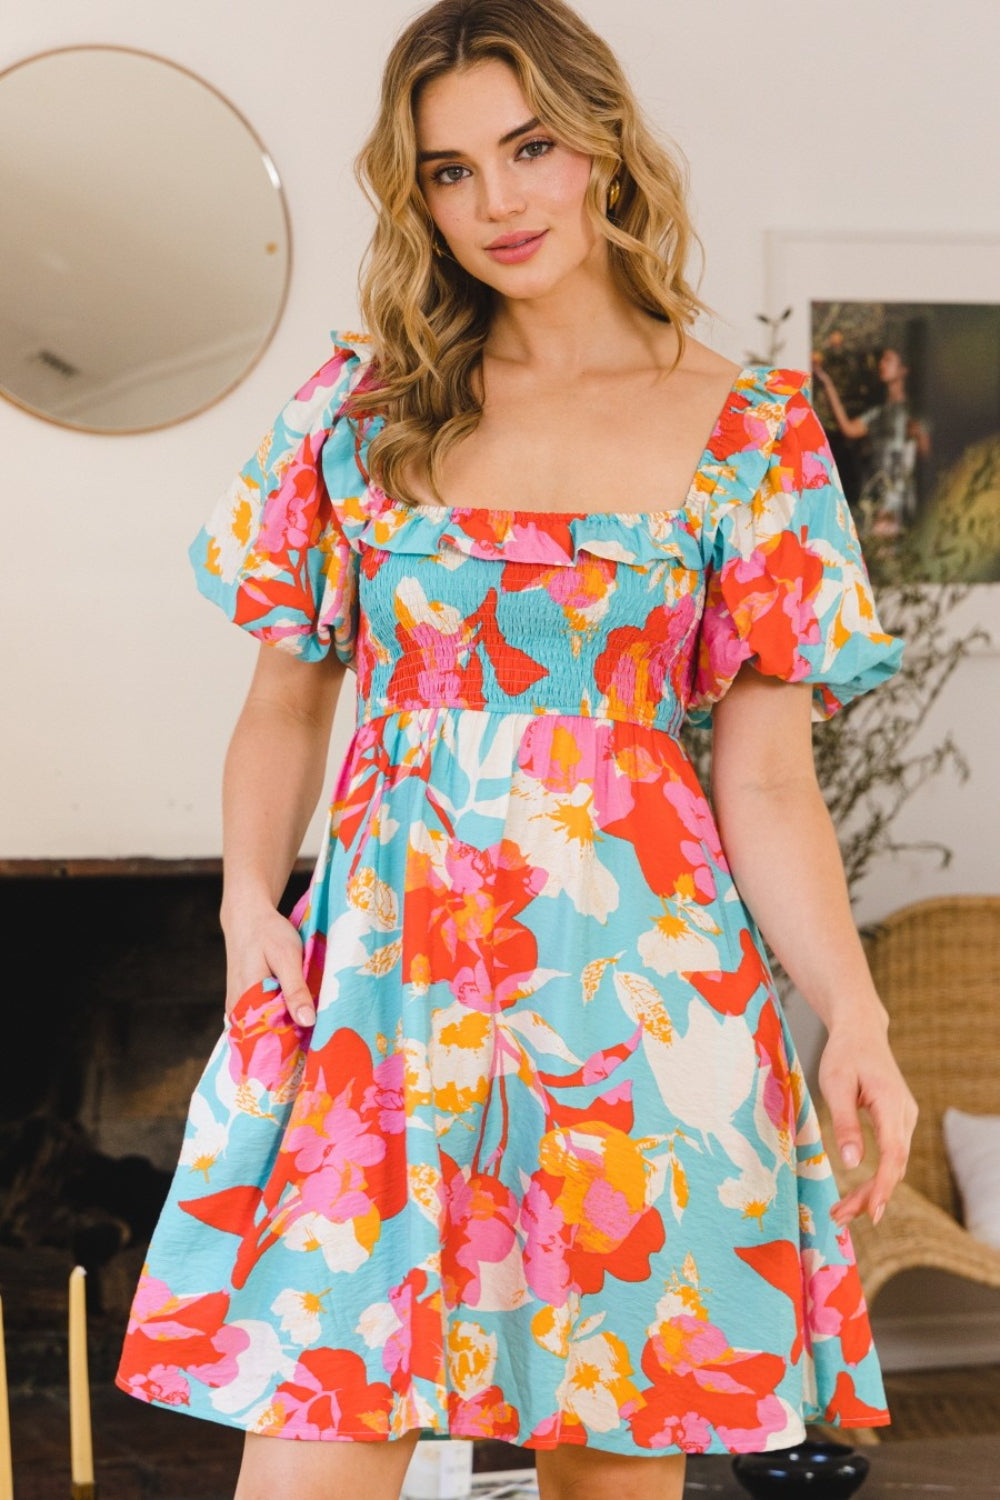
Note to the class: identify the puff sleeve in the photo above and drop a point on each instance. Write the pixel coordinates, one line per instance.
(274, 553)
(786, 587)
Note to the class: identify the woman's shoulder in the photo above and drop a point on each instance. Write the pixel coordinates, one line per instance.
(703, 362)
(755, 383)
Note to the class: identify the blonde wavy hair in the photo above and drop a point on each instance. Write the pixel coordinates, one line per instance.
(429, 318)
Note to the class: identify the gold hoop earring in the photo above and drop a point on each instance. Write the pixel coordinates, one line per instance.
(614, 192)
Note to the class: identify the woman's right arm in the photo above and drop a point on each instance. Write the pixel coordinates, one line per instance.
(852, 427)
(274, 774)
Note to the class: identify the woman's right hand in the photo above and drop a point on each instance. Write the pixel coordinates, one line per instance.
(820, 370)
(274, 773)
(263, 945)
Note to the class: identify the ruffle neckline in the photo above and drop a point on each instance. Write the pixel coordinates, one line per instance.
(749, 418)
(555, 538)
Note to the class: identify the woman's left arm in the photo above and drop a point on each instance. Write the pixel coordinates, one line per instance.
(782, 850)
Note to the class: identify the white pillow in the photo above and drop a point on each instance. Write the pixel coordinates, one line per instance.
(972, 1144)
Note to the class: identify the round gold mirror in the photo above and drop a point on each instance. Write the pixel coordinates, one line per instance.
(144, 240)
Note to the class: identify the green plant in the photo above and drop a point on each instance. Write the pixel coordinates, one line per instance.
(774, 341)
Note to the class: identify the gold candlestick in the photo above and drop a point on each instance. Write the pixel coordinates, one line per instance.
(80, 1445)
(6, 1467)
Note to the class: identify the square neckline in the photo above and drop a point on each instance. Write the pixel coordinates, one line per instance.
(446, 512)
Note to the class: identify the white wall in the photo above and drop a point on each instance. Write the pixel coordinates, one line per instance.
(121, 682)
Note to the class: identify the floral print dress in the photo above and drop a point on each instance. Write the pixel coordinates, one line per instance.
(546, 1168)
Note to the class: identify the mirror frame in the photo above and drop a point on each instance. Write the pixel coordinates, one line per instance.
(272, 170)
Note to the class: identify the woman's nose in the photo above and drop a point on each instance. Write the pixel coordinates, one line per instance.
(500, 195)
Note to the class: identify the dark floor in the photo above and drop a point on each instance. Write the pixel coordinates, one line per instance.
(944, 1441)
(145, 1453)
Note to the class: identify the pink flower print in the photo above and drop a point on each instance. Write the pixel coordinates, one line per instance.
(185, 1333)
(386, 1098)
(265, 1044)
(329, 1153)
(485, 1415)
(481, 1216)
(162, 1383)
(545, 1244)
(290, 512)
(835, 1305)
(560, 756)
(721, 650)
(227, 1343)
(703, 852)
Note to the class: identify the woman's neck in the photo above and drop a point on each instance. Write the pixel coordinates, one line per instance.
(583, 324)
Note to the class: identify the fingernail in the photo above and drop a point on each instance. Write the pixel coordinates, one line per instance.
(851, 1155)
(877, 1212)
(305, 1017)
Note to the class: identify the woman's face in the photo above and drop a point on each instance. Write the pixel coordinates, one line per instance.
(890, 366)
(506, 196)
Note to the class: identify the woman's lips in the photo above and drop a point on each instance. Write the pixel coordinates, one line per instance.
(510, 254)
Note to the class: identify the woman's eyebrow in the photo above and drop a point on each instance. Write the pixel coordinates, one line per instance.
(504, 140)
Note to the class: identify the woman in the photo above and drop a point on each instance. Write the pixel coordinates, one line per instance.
(506, 1135)
(896, 438)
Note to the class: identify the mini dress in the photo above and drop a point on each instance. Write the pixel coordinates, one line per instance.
(546, 1168)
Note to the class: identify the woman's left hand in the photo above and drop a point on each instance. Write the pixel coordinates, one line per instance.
(858, 1071)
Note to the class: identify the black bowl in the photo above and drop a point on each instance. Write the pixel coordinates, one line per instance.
(821, 1471)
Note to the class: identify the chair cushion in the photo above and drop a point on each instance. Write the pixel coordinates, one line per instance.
(972, 1145)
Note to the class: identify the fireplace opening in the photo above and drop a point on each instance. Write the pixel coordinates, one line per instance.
(120, 1007)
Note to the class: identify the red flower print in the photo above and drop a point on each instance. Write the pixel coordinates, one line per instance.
(779, 1097)
(665, 823)
(343, 1156)
(730, 992)
(486, 1415)
(330, 1396)
(639, 659)
(482, 1214)
(561, 1427)
(588, 1218)
(164, 1383)
(848, 1410)
(835, 1305)
(699, 1381)
(778, 1262)
(460, 921)
(770, 597)
(265, 1044)
(178, 1333)
(415, 1349)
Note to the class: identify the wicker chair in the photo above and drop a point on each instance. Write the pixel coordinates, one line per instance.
(936, 965)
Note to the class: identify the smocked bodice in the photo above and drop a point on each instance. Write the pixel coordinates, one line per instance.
(643, 617)
(531, 612)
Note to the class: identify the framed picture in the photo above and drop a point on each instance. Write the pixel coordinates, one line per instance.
(902, 337)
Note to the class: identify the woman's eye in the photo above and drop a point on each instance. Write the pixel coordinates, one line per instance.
(543, 147)
(442, 178)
